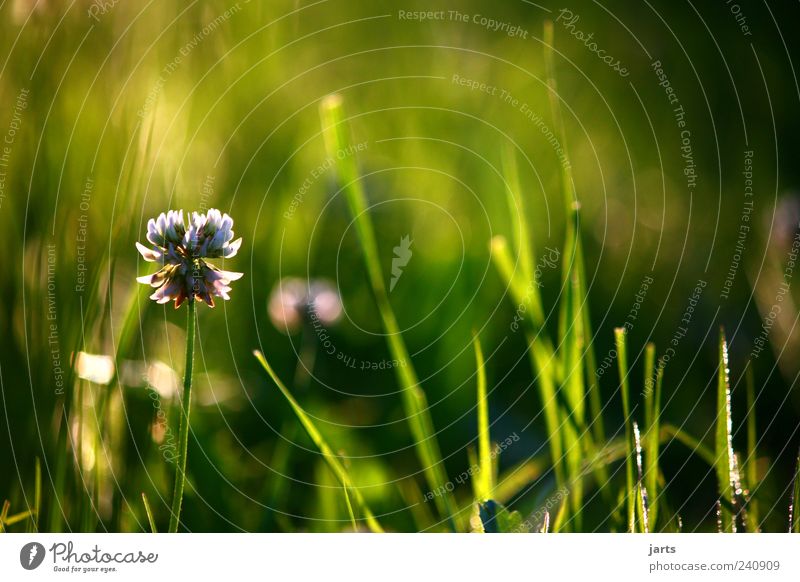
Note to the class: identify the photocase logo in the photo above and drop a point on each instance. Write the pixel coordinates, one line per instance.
(402, 254)
(31, 555)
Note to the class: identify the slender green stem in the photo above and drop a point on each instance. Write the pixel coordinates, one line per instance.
(183, 435)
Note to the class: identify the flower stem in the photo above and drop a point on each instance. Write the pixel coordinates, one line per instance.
(183, 436)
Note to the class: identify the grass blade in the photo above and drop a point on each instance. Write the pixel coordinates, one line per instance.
(652, 406)
(642, 505)
(37, 495)
(523, 241)
(327, 453)
(337, 139)
(622, 362)
(7, 507)
(723, 450)
(544, 364)
(149, 513)
(690, 442)
(483, 483)
(543, 360)
(750, 469)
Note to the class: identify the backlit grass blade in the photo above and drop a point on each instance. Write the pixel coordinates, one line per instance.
(567, 183)
(483, 482)
(544, 364)
(541, 353)
(642, 502)
(652, 406)
(327, 453)
(573, 250)
(337, 139)
(723, 450)
(622, 363)
(750, 468)
(149, 513)
(523, 241)
(579, 365)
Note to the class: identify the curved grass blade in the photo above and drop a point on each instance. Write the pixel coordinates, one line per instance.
(337, 139)
(327, 453)
(691, 443)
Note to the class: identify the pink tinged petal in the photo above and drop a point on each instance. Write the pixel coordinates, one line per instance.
(146, 279)
(150, 255)
(213, 274)
(160, 298)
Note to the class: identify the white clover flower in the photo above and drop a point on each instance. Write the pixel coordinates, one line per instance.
(182, 252)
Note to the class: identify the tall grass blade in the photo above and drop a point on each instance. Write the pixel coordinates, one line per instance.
(622, 362)
(544, 367)
(350, 508)
(337, 139)
(37, 495)
(652, 406)
(579, 364)
(327, 453)
(483, 483)
(794, 507)
(642, 504)
(149, 513)
(523, 241)
(749, 468)
(543, 361)
(723, 450)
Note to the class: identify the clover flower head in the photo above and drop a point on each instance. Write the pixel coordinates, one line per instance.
(182, 249)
